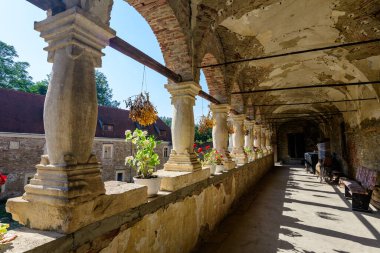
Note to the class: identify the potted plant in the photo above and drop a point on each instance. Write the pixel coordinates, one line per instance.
(5, 237)
(206, 158)
(219, 161)
(145, 160)
(249, 152)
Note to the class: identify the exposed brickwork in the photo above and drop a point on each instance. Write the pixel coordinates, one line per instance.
(170, 33)
(363, 144)
(215, 79)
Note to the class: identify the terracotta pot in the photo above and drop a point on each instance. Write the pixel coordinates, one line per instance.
(219, 168)
(153, 184)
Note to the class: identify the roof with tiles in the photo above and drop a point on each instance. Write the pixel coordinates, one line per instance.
(22, 112)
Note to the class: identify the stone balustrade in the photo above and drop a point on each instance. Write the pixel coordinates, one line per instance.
(153, 226)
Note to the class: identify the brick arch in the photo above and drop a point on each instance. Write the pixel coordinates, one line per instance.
(215, 78)
(170, 32)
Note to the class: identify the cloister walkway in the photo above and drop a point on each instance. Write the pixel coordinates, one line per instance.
(290, 211)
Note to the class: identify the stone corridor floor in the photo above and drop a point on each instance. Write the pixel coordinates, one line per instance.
(291, 211)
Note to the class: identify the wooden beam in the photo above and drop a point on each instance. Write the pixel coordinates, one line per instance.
(128, 50)
(313, 86)
(55, 5)
(134, 53)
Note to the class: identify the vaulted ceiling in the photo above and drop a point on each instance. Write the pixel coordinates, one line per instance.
(249, 29)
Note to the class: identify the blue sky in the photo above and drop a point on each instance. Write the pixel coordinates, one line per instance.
(124, 74)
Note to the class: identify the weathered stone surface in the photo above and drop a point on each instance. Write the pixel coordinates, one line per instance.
(119, 197)
(153, 226)
(183, 157)
(220, 133)
(238, 152)
(174, 180)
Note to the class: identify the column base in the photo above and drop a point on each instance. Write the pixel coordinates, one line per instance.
(119, 197)
(174, 180)
(183, 162)
(229, 164)
(66, 184)
(240, 158)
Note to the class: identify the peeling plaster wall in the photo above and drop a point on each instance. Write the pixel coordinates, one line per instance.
(167, 224)
(363, 144)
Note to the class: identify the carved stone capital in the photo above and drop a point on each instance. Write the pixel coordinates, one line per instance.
(75, 31)
(183, 92)
(221, 108)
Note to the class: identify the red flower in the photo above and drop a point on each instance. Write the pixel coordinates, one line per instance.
(195, 145)
(200, 150)
(3, 179)
(207, 147)
(216, 151)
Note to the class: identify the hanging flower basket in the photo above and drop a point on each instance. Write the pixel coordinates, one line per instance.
(246, 131)
(205, 123)
(230, 127)
(141, 110)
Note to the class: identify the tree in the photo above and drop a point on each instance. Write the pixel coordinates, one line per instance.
(40, 87)
(13, 74)
(167, 120)
(104, 91)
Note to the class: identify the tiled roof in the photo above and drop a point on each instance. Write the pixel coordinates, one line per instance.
(22, 112)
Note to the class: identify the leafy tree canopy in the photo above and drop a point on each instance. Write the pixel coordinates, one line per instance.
(14, 75)
(166, 120)
(104, 91)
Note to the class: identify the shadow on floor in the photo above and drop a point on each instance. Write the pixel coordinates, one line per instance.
(285, 213)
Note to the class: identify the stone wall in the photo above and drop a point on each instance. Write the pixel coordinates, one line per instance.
(18, 156)
(171, 222)
(310, 130)
(19, 153)
(363, 144)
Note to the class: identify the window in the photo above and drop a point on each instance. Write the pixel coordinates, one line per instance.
(14, 145)
(108, 128)
(107, 151)
(162, 133)
(28, 177)
(119, 176)
(166, 152)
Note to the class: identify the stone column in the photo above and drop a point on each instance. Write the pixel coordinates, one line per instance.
(238, 139)
(248, 139)
(268, 140)
(220, 133)
(263, 140)
(183, 157)
(257, 138)
(68, 184)
(183, 167)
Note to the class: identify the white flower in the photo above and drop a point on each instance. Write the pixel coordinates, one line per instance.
(145, 133)
(134, 134)
(128, 159)
(128, 132)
